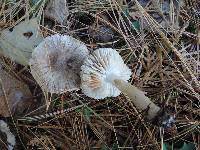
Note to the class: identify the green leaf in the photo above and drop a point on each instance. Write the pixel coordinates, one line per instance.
(126, 12)
(136, 25)
(10, 1)
(36, 2)
(103, 147)
(185, 146)
(87, 113)
(115, 147)
(167, 146)
(33, 2)
(188, 146)
(78, 110)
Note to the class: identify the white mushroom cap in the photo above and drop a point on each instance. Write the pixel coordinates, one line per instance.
(98, 72)
(56, 63)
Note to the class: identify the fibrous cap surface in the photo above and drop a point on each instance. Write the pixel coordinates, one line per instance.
(56, 62)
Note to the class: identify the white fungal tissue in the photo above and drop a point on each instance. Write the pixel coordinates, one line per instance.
(98, 72)
(56, 63)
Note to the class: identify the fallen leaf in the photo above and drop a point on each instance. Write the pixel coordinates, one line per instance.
(184, 146)
(101, 33)
(15, 96)
(57, 10)
(19, 42)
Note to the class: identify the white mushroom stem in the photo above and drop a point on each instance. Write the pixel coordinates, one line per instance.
(141, 101)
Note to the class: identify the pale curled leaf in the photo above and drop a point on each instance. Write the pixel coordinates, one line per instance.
(19, 42)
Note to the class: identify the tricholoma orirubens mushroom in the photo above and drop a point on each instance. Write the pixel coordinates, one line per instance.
(104, 74)
(56, 63)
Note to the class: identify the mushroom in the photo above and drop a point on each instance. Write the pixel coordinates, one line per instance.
(56, 62)
(104, 74)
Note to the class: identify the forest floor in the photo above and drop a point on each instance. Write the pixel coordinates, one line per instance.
(159, 40)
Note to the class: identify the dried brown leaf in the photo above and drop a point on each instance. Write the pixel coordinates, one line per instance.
(14, 95)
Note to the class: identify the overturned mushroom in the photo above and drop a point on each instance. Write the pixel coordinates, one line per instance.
(56, 62)
(99, 70)
(104, 74)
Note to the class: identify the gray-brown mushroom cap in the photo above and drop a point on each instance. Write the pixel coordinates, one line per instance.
(56, 62)
(99, 71)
